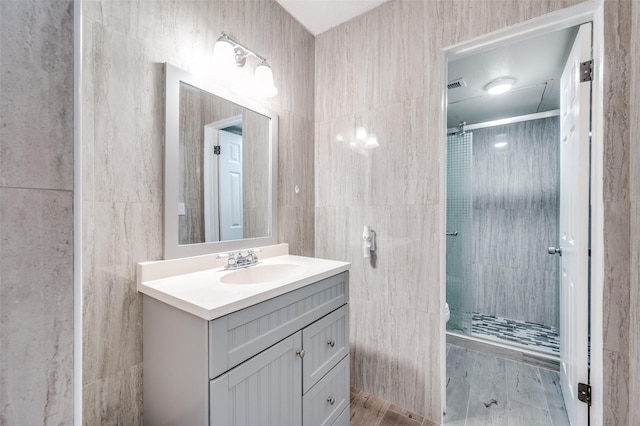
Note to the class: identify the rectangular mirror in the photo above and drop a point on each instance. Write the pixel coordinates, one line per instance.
(220, 169)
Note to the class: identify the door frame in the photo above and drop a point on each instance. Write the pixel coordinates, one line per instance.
(590, 11)
(210, 168)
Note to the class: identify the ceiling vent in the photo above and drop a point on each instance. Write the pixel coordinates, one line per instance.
(456, 83)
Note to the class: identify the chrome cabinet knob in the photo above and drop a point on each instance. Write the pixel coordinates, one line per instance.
(331, 400)
(331, 343)
(300, 353)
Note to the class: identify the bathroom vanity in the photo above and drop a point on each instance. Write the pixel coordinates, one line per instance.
(230, 348)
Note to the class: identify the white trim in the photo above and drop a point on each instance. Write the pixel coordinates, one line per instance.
(510, 120)
(590, 11)
(77, 213)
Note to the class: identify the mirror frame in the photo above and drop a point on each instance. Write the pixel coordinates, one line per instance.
(172, 248)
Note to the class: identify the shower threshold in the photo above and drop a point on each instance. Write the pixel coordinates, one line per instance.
(526, 336)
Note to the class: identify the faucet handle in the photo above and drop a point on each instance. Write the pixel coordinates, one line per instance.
(254, 250)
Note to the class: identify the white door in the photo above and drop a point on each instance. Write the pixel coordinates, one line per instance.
(575, 102)
(230, 166)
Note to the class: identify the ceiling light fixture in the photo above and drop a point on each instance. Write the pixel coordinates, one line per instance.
(229, 54)
(499, 85)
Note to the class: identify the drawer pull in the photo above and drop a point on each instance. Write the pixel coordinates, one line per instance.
(331, 343)
(331, 400)
(300, 353)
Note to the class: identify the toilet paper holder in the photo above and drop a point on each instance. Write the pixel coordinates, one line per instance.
(368, 241)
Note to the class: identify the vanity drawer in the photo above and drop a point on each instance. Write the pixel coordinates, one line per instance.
(326, 401)
(237, 337)
(325, 342)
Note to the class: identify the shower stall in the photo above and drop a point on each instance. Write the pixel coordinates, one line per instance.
(502, 214)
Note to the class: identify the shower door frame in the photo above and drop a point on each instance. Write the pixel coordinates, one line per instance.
(569, 17)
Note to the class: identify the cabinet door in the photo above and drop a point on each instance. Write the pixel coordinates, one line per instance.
(325, 343)
(264, 391)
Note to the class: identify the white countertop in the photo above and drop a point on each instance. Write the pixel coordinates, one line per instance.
(201, 293)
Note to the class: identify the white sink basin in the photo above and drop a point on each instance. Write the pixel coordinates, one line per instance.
(261, 274)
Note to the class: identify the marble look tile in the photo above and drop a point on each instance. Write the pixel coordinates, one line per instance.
(634, 116)
(553, 394)
(617, 47)
(114, 400)
(488, 383)
(383, 63)
(295, 161)
(127, 120)
(415, 383)
(403, 168)
(36, 306)
(523, 175)
(616, 388)
(334, 81)
(616, 276)
(524, 385)
(36, 40)
(513, 414)
(295, 226)
(515, 238)
(341, 170)
(460, 362)
(371, 328)
(520, 294)
(634, 317)
(112, 307)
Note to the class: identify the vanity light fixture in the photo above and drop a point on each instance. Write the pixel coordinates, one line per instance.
(229, 54)
(499, 85)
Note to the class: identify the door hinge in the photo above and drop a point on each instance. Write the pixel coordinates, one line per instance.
(586, 71)
(584, 393)
(216, 150)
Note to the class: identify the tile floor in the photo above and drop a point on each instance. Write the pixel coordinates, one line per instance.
(483, 389)
(487, 389)
(367, 410)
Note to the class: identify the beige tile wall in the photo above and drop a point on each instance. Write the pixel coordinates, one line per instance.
(634, 180)
(125, 44)
(36, 212)
(387, 79)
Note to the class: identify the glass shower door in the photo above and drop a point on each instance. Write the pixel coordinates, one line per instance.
(459, 238)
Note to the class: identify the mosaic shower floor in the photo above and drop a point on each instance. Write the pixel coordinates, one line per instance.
(533, 336)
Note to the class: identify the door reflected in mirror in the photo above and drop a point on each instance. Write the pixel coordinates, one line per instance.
(225, 169)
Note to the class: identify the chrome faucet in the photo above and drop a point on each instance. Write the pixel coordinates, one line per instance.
(236, 260)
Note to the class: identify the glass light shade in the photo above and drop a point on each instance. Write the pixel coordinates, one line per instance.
(263, 80)
(224, 61)
(499, 85)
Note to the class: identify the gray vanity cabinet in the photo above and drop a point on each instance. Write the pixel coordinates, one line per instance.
(284, 361)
